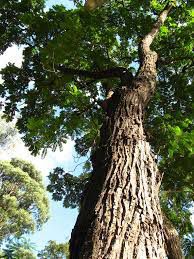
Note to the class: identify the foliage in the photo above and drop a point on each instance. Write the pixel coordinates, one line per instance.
(22, 248)
(12, 26)
(23, 201)
(66, 187)
(60, 103)
(19, 248)
(54, 250)
(188, 246)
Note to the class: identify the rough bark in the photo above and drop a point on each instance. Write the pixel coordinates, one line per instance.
(172, 240)
(120, 215)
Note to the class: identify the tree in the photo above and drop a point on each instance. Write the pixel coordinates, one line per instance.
(54, 251)
(93, 78)
(18, 248)
(23, 200)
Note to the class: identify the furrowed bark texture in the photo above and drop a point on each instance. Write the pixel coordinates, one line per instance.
(120, 215)
(172, 240)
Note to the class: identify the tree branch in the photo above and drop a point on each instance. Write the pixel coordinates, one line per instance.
(117, 72)
(148, 39)
(148, 58)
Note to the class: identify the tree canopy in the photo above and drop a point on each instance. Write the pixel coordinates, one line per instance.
(18, 248)
(23, 248)
(54, 250)
(73, 57)
(23, 202)
(11, 22)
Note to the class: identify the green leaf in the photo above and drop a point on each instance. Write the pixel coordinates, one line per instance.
(177, 131)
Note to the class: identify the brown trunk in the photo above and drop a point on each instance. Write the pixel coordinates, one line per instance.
(120, 217)
(172, 240)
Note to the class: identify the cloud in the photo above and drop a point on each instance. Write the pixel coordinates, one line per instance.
(45, 165)
(13, 55)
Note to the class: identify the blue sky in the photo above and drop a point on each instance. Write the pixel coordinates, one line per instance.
(67, 3)
(58, 227)
(62, 220)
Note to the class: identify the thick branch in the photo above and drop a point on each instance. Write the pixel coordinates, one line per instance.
(117, 72)
(146, 76)
(148, 39)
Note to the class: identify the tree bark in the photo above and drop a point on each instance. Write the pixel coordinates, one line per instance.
(172, 240)
(120, 216)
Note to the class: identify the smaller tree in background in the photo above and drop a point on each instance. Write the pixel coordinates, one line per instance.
(23, 201)
(19, 249)
(55, 251)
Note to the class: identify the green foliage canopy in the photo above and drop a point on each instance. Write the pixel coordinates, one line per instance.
(23, 200)
(66, 187)
(12, 27)
(54, 250)
(18, 248)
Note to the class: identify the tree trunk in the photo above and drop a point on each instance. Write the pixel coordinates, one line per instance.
(172, 240)
(120, 216)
